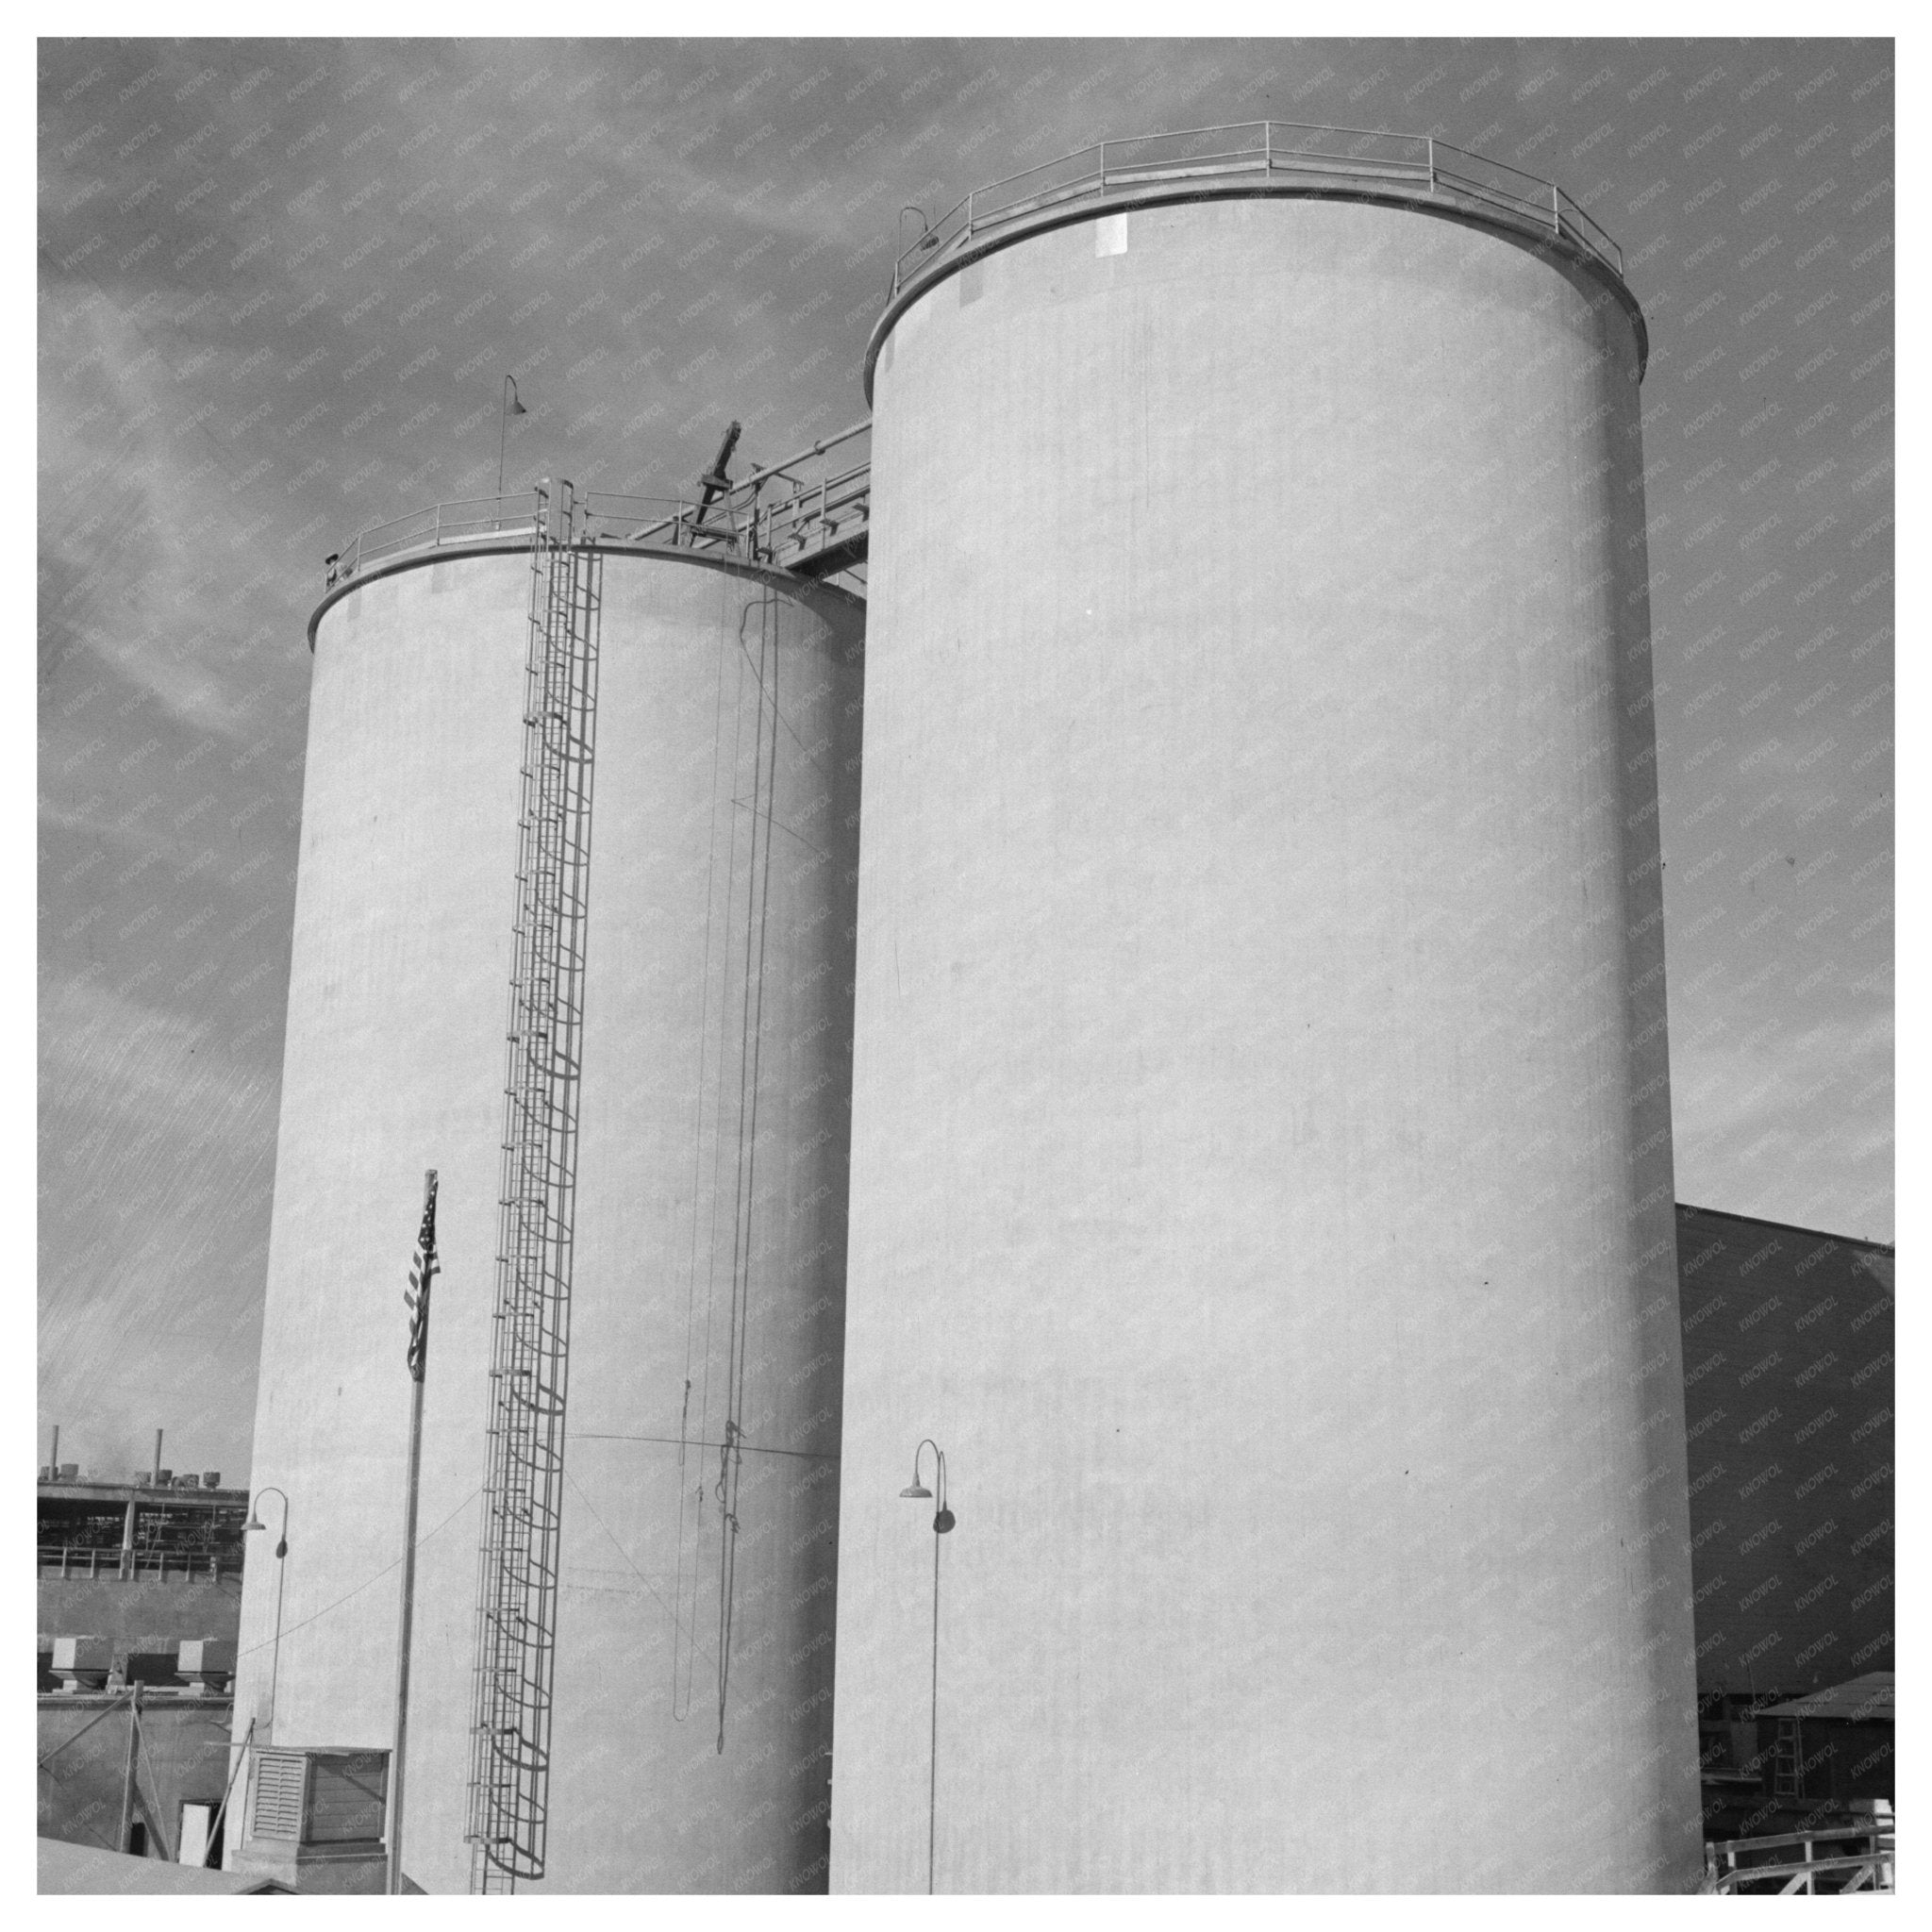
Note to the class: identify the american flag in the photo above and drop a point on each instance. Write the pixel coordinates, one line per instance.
(422, 1272)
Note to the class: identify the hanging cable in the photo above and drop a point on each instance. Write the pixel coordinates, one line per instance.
(758, 887)
(691, 1494)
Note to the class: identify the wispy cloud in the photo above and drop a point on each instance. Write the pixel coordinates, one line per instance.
(129, 573)
(156, 1159)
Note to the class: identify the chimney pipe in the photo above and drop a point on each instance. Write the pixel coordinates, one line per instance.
(54, 1460)
(157, 1476)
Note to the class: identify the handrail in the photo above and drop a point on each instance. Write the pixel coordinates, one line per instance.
(1738, 1863)
(1269, 148)
(444, 524)
(772, 515)
(97, 1562)
(1803, 1874)
(1825, 1834)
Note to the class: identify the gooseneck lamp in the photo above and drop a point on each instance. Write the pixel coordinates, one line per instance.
(943, 1518)
(255, 1522)
(942, 1521)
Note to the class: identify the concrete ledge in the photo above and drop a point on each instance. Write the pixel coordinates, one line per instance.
(517, 543)
(359, 1865)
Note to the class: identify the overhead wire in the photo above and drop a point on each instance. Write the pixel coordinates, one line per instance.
(395, 1563)
(619, 1547)
(748, 1448)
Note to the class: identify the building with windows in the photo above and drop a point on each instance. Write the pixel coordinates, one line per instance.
(139, 1587)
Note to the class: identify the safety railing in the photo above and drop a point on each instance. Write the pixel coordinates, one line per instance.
(428, 529)
(810, 514)
(93, 1562)
(812, 509)
(1823, 1860)
(1335, 157)
(605, 517)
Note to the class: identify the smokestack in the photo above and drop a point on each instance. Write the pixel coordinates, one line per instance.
(157, 1476)
(54, 1456)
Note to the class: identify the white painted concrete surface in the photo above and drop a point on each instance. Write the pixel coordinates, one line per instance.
(395, 1063)
(1262, 1165)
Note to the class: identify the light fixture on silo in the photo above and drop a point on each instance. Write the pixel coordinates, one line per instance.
(943, 1518)
(255, 1522)
(942, 1521)
(512, 405)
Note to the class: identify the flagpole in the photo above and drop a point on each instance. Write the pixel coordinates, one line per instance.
(418, 1364)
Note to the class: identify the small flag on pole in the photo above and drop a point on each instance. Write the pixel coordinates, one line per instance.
(422, 1272)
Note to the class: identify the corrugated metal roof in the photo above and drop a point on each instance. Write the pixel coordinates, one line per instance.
(1859, 1700)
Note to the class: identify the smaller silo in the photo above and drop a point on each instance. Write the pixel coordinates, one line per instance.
(689, 1713)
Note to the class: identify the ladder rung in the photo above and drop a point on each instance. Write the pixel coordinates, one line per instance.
(508, 1785)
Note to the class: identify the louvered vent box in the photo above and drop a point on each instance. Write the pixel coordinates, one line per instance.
(315, 1818)
(281, 1792)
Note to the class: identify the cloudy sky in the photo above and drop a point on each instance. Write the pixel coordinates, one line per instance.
(281, 282)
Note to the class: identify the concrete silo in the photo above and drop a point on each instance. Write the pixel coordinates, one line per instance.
(1261, 1180)
(696, 1502)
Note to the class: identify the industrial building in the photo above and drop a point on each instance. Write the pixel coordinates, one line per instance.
(1202, 1122)
(138, 1592)
(1788, 1374)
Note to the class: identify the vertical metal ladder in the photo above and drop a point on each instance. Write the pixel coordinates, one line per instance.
(1787, 1759)
(523, 1497)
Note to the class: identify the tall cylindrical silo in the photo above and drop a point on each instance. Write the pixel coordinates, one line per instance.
(1261, 1180)
(690, 1711)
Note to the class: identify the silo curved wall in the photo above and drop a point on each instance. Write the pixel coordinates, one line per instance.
(395, 1063)
(1262, 1165)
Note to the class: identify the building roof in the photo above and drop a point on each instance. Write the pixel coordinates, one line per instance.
(149, 1495)
(1858, 1700)
(89, 1871)
(1819, 1234)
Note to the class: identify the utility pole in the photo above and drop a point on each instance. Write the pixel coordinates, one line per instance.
(127, 1779)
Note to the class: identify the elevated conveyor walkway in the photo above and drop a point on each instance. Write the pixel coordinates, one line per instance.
(810, 515)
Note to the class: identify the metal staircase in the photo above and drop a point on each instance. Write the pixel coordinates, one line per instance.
(523, 1497)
